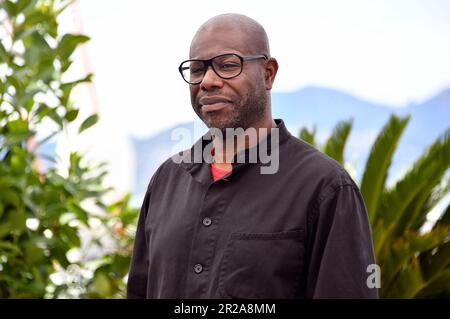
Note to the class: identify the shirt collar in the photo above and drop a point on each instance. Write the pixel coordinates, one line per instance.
(193, 161)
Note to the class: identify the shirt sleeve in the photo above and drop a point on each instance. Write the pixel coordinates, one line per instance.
(137, 276)
(340, 247)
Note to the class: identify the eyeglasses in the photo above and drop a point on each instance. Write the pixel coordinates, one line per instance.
(226, 66)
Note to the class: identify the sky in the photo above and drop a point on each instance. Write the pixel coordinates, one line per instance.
(393, 52)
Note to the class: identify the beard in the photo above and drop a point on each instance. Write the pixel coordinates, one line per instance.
(242, 112)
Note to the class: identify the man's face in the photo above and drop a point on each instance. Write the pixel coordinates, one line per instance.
(232, 103)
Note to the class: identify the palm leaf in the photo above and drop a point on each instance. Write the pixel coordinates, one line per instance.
(445, 218)
(308, 136)
(435, 260)
(378, 163)
(406, 247)
(413, 188)
(335, 144)
(406, 283)
(433, 199)
(439, 285)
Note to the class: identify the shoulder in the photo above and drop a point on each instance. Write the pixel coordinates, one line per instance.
(316, 167)
(166, 169)
(332, 189)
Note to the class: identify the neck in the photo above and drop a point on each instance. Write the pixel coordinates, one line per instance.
(228, 145)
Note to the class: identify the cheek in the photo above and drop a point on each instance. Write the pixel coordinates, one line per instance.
(245, 91)
(193, 92)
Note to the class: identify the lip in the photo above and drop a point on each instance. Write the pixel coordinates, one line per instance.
(213, 104)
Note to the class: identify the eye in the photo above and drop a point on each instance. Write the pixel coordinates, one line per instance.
(229, 66)
(196, 68)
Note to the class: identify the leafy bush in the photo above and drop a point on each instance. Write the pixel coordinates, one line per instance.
(44, 213)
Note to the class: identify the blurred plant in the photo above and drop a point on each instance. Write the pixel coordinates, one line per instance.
(44, 213)
(414, 262)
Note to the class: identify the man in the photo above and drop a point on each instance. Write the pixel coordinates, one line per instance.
(219, 227)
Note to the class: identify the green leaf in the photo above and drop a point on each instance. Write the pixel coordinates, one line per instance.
(429, 170)
(10, 196)
(53, 114)
(45, 70)
(87, 123)
(408, 281)
(438, 286)
(14, 138)
(431, 201)
(397, 209)
(5, 246)
(308, 136)
(402, 249)
(16, 83)
(18, 126)
(32, 253)
(102, 284)
(10, 8)
(35, 18)
(42, 111)
(3, 54)
(436, 260)
(445, 218)
(81, 214)
(24, 5)
(36, 41)
(70, 236)
(67, 87)
(72, 115)
(2, 209)
(68, 44)
(14, 222)
(335, 144)
(378, 162)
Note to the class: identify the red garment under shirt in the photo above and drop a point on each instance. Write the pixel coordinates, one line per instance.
(217, 172)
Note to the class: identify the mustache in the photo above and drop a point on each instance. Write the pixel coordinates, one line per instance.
(211, 99)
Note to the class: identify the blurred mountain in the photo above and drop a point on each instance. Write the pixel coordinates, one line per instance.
(323, 108)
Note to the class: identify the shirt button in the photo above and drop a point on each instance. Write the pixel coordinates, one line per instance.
(198, 268)
(207, 221)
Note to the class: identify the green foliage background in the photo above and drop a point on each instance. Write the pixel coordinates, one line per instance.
(43, 213)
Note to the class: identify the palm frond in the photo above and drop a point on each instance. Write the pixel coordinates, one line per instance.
(409, 246)
(415, 187)
(378, 162)
(445, 217)
(334, 147)
(435, 260)
(432, 200)
(439, 286)
(407, 282)
(308, 136)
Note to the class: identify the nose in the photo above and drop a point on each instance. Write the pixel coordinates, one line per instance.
(211, 80)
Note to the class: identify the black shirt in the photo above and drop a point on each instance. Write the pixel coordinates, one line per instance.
(302, 232)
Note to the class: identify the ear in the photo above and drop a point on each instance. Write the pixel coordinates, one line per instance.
(270, 72)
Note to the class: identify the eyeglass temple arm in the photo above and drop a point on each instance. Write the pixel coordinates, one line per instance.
(254, 57)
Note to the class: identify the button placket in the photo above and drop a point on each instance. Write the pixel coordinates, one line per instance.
(204, 240)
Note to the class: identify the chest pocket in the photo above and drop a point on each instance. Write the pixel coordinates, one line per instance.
(263, 265)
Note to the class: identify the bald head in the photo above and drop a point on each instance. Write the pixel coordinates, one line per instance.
(235, 30)
(242, 100)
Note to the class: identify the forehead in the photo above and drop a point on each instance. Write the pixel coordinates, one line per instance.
(208, 43)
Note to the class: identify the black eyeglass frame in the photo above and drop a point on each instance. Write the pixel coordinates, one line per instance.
(208, 63)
